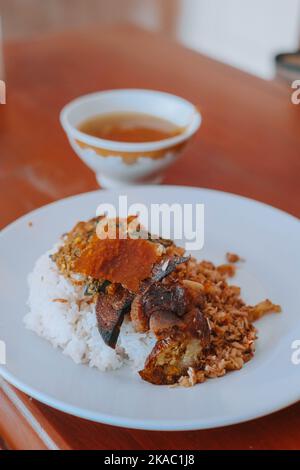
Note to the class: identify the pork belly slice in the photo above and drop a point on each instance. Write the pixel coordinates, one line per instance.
(110, 311)
(154, 296)
(182, 345)
(157, 298)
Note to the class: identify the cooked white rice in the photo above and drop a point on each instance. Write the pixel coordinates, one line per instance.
(59, 313)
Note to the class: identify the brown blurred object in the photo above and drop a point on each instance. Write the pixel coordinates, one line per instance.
(34, 17)
(249, 144)
(288, 66)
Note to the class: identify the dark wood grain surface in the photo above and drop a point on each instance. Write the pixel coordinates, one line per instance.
(249, 144)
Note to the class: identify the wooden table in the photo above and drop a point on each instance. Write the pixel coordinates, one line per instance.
(249, 144)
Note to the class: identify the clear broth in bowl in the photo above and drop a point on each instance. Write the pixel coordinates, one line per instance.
(130, 127)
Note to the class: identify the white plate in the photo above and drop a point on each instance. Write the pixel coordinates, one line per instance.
(267, 238)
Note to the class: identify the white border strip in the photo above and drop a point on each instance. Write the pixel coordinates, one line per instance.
(45, 438)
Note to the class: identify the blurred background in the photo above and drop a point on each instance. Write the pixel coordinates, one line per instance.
(244, 33)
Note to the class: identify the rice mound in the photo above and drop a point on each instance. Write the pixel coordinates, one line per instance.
(59, 312)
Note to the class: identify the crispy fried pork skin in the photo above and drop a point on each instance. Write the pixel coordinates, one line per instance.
(183, 341)
(124, 261)
(110, 311)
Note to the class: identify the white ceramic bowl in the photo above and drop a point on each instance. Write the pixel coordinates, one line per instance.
(121, 163)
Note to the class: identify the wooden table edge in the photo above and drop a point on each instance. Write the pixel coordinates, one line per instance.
(22, 426)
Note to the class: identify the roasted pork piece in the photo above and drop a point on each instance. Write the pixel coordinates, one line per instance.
(181, 329)
(181, 345)
(157, 299)
(141, 307)
(110, 310)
